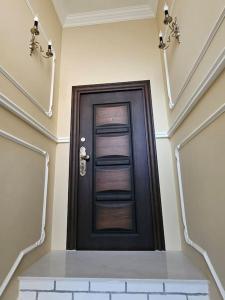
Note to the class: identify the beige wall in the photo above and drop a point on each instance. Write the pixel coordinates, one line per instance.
(125, 51)
(202, 163)
(32, 73)
(22, 170)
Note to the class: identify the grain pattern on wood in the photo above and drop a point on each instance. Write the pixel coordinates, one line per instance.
(113, 179)
(111, 216)
(112, 145)
(111, 115)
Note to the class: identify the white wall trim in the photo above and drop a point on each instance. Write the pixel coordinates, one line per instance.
(42, 233)
(23, 115)
(216, 69)
(20, 113)
(63, 140)
(109, 15)
(214, 30)
(188, 239)
(161, 135)
(53, 59)
(22, 89)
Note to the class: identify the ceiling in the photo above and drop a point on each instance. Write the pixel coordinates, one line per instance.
(86, 12)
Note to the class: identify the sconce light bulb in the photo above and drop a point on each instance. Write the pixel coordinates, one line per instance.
(36, 20)
(34, 30)
(160, 34)
(50, 45)
(166, 8)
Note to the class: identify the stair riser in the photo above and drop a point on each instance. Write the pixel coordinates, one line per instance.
(35, 289)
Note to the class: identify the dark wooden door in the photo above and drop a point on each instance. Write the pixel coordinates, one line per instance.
(114, 199)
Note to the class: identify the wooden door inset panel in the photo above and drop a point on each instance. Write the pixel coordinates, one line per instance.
(114, 216)
(113, 179)
(108, 145)
(106, 115)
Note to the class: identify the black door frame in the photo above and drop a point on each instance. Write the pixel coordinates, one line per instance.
(77, 91)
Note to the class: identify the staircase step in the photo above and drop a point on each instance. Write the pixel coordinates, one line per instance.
(143, 276)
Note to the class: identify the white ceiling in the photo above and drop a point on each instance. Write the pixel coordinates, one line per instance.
(86, 12)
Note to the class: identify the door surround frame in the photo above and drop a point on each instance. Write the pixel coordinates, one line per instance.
(72, 219)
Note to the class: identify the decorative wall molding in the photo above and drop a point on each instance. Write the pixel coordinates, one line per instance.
(216, 69)
(110, 15)
(214, 30)
(23, 252)
(50, 111)
(20, 113)
(63, 140)
(23, 115)
(21, 88)
(26, 93)
(161, 135)
(187, 237)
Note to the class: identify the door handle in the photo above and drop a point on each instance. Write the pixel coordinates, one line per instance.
(83, 161)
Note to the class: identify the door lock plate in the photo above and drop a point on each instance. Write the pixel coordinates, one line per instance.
(83, 161)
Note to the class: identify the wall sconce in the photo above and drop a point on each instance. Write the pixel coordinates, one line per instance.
(35, 45)
(174, 30)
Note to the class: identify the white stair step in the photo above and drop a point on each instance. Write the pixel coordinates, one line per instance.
(85, 276)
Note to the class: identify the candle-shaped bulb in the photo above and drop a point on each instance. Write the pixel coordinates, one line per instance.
(36, 21)
(166, 8)
(161, 36)
(50, 45)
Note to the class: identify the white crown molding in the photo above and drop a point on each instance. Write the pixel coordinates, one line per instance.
(154, 4)
(22, 89)
(213, 32)
(187, 237)
(60, 10)
(109, 16)
(28, 249)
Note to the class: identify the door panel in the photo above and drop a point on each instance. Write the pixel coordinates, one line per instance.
(113, 179)
(107, 115)
(116, 204)
(112, 145)
(114, 216)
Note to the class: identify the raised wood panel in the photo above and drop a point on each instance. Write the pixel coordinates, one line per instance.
(111, 115)
(112, 145)
(114, 216)
(109, 179)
